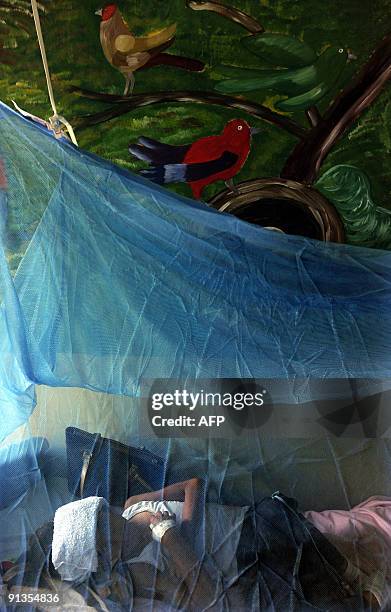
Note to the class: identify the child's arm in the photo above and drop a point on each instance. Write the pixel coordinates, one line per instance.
(188, 491)
(201, 588)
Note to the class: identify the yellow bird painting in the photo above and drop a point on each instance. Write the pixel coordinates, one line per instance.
(126, 52)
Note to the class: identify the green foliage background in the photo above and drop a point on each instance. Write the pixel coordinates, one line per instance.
(71, 32)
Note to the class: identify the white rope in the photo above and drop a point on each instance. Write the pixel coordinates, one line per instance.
(57, 120)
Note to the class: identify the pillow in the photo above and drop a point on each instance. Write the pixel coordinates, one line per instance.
(20, 468)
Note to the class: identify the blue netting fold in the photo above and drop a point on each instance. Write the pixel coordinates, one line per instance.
(108, 279)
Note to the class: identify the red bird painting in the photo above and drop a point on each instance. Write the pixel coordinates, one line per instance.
(210, 159)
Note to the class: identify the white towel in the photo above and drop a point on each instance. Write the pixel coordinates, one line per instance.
(74, 539)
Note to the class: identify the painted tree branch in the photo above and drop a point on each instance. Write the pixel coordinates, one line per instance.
(233, 14)
(125, 104)
(306, 159)
(178, 61)
(313, 115)
(6, 57)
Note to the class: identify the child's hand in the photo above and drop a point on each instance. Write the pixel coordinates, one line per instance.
(158, 517)
(142, 519)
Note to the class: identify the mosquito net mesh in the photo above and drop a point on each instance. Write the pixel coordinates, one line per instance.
(108, 281)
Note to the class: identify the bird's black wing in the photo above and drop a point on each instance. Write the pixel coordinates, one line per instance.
(153, 144)
(190, 173)
(158, 153)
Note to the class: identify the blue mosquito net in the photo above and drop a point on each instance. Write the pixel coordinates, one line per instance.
(107, 280)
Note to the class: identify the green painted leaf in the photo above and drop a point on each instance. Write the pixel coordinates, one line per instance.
(285, 82)
(235, 72)
(238, 85)
(304, 100)
(349, 189)
(280, 50)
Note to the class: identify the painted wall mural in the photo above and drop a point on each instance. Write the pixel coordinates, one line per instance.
(277, 112)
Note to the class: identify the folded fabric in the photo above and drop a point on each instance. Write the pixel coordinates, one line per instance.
(74, 553)
(146, 506)
(363, 536)
(20, 468)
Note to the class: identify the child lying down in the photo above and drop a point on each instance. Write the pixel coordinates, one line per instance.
(171, 547)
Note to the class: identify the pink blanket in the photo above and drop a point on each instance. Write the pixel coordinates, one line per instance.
(362, 534)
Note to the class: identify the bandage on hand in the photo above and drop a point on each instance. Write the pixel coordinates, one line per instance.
(160, 523)
(158, 517)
